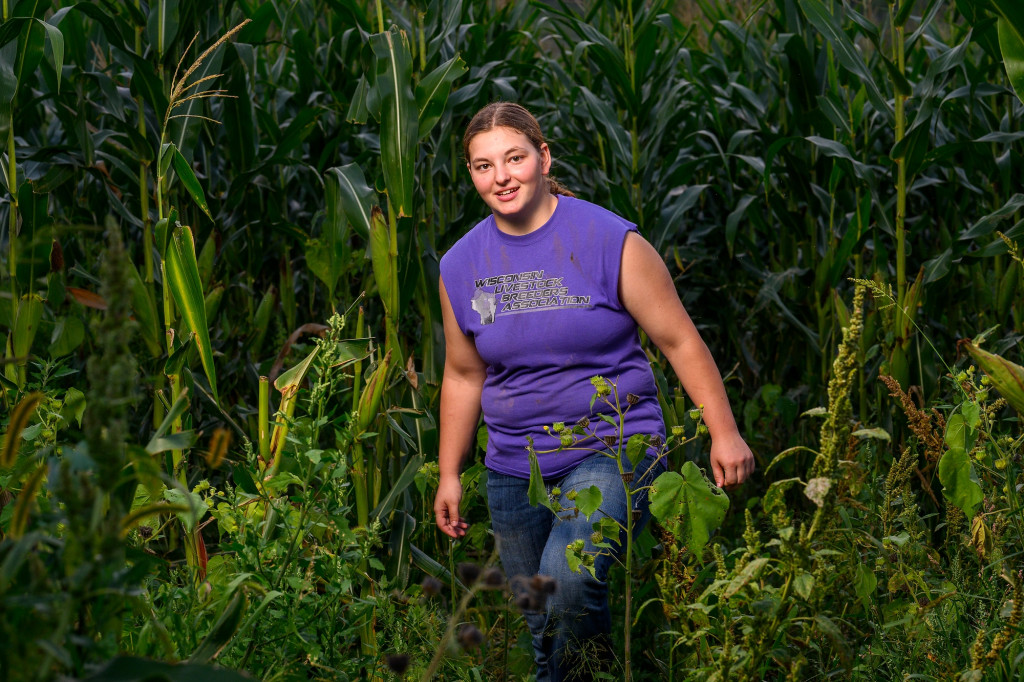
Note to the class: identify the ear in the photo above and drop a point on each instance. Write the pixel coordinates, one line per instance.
(545, 158)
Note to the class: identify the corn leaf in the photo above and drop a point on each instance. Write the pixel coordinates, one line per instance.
(1012, 46)
(56, 39)
(183, 281)
(399, 122)
(356, 198)
(400, 547)
(432, 93)
(190, 181)
(163, 24)
(387, 505)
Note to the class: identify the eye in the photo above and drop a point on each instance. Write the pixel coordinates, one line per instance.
(482, 167)
(517, 158)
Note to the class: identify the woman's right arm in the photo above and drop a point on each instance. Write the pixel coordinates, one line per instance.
(461, 385)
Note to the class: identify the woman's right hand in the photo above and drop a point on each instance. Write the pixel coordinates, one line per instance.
(446, 507)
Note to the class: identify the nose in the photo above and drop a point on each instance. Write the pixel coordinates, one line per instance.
(501, 175)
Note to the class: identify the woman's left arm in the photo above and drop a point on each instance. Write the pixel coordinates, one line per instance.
(647, 291)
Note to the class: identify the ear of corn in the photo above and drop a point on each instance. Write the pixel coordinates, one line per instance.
(369, 400)
(1006, 376)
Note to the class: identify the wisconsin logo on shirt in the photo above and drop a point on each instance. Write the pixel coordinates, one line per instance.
(522, 292)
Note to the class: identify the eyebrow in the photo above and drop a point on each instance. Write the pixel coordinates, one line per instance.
(478, 159)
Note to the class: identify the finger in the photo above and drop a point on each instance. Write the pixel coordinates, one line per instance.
(719, 474)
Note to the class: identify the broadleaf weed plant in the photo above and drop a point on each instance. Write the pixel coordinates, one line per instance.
(611, 536)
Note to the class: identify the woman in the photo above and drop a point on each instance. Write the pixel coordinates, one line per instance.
(540, 296)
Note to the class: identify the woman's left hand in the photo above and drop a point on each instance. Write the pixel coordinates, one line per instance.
(732, 462)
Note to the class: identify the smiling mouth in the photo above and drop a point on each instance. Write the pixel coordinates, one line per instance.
(508, 192)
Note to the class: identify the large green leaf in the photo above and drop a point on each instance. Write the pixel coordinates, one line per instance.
(399, 122)
(699, 507)
(1012, 12)
(356, 198)
(1012, 46)
(959, 481)
(432, 93)
(183, 281)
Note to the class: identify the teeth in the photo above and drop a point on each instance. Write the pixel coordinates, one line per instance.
(506, 192)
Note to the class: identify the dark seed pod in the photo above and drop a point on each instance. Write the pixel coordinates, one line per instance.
(636, 515)
(494, 578)
(656, 442)
(632, 398)
(398, 663)
(431, 586)
(610, 441)
(627, 476)
(544, 584)
(470, 636)
(583, 423)
(468, 572)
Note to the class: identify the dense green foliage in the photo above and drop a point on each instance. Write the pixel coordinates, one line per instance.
(223, 348)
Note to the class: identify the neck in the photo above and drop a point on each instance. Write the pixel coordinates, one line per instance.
(531, 223)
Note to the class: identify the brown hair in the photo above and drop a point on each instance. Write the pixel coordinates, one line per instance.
(516, 117)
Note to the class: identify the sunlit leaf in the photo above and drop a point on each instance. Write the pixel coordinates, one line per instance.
(588, 500)
(183, 281)
(699, 507)
(959, 481)
(1012, 46)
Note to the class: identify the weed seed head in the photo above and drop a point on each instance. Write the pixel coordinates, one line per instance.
(398, 663)
(494, 578)
(470, 636)
(431, 586)
(468, 572)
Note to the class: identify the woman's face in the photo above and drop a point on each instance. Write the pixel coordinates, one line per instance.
(509, 173)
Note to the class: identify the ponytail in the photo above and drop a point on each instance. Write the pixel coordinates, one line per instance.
(555, 187)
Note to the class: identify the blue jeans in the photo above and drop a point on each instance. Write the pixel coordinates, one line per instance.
(571, 631)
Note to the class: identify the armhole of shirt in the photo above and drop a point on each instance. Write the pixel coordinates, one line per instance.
(456, 308)
(618, 262)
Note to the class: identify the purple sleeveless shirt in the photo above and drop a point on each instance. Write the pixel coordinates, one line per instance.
(543, 310)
